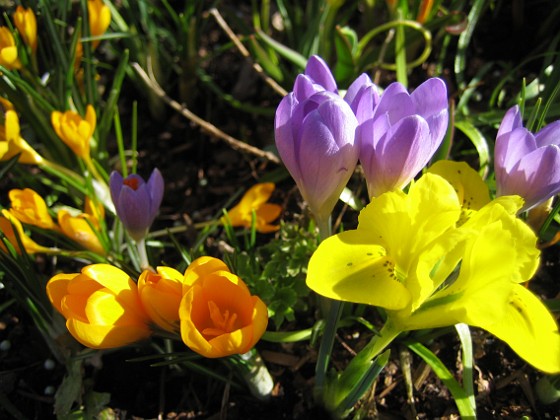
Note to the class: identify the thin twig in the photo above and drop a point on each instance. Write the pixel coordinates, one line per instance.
(245, 53)
(203, 124)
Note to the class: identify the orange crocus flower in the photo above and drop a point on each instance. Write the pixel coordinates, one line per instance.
(8, 50)
(99, 19)
(255, 200)
(218, 315)
(101, 306)
(161, 294)
(26, 24)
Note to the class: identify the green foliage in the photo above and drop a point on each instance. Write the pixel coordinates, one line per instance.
(276, 271)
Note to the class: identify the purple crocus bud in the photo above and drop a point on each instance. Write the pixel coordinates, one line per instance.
(402, 135)
(136, 202)
(527, 164)
(315, 139)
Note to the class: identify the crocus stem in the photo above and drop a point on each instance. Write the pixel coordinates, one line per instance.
(331, 311)
(143, 254)
(256, 374)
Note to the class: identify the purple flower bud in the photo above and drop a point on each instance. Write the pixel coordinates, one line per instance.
(525, 164)
(136, 202)
(402, 134)
(320, 73)
(315, 139)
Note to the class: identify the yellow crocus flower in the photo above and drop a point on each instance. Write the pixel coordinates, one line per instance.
(7, 224)
(29, 207)
(99, 19)
(412, 255)
(11, 143)
(74, 130)
(26, 24)
(255, 200)
(8, 50)
(79, 228)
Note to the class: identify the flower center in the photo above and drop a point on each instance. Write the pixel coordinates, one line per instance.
(132, 183)
(223, 322)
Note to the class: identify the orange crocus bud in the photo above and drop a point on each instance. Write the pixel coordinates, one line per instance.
(29, 207)
(101, 306)
(7, 225)
(161, 293)
(255, 200)
(26, 24)
(80, 229)
(99, 19)
(8, 50)
(219, 316)
(74, 130)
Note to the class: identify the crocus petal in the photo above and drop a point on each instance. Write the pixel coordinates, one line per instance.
(401, 154)
(320, 73)
(430, 100)
(511, 148)
(155, 187)
(106, 336)
(511, 121)
(57, 289)
(536, 177)
(202, 266)
(395, 102)
(549, 135)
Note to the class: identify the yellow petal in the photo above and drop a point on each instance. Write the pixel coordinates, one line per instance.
(200, 267)
(349, 267)
(106, 336)
(470, 187)
(529, 329)
(57, 289)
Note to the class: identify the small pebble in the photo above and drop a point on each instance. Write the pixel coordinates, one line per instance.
(5, 345)
(49, 364)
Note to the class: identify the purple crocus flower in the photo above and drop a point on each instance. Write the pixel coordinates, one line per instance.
(402, 134)
(315, 139)
(527, 164)
(136, 202)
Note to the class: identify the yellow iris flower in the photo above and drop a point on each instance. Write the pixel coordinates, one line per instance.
(420, 258)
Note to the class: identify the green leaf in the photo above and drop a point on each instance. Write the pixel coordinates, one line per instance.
(462, 400)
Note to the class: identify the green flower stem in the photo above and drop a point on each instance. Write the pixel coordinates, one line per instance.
(327, 343)
(360, 364)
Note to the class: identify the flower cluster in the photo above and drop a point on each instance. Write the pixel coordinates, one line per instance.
(208, 306)
(320, 136)
(393, 135)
